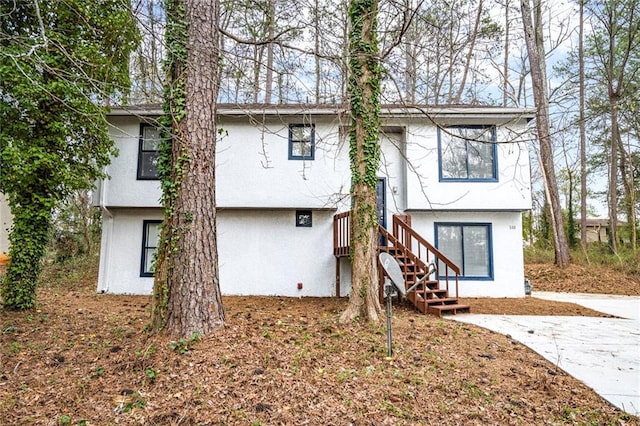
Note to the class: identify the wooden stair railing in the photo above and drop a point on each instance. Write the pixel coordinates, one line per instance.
(413, 253)
(341, 234)
(403, 231)
(428, 297)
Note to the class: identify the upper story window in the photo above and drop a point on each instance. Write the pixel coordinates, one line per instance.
(469, 246)
(148, 152)
(302, 141)
(150, 239)
(467, 153)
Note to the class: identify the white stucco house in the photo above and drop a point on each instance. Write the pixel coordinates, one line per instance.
(282, 174)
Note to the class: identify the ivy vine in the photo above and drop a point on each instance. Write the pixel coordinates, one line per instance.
(364, 95)
(172, 160)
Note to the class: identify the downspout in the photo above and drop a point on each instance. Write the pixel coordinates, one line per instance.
(105, 244)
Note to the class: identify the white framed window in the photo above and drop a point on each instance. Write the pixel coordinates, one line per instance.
(467, 153)
(150, 240)
(302, 141)
(468, 245)
(148, 152)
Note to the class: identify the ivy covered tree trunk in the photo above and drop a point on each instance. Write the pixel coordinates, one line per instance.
(364, 153)
(28, 238)
(186, 289)
(58, 61)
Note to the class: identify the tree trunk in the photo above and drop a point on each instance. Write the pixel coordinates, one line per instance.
(187, 279)
(626, 173)
(271, 23)
(472, 46)
(364, 153)
(613, 174)
(505, 65)
(535, 49)
(316, 46)
(410, 71)
(583, 136)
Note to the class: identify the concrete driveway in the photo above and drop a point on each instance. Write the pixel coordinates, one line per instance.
(604, 353)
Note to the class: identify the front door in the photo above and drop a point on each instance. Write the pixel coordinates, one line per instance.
(381, 206)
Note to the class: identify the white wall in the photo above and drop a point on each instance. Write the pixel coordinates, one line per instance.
(508, 255)
(123, 189)
(253, 167)
(392, 167)
(425, 192)
(262, 252)
(121, 251)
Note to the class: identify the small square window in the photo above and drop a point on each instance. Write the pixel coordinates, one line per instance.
(302, 141)
(148, 152)
(304, 218)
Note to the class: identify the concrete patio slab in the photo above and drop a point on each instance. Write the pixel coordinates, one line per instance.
(604, 353)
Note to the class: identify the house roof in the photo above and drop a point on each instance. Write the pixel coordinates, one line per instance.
(387, 111)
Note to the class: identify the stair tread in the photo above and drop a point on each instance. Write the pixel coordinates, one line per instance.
(442, 301)
(428, 298)
(432, 290)
(449, 307)
(452, 309)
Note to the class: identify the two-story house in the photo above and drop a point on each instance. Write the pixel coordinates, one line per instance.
(282, 175)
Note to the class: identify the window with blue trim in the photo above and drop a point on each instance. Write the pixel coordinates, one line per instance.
(467, 153)
(469, 246)
(150, 238)
(302, 141)
(148, 152)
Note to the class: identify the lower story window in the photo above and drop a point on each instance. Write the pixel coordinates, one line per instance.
(304, 218)
(150, 238)
(469, 246)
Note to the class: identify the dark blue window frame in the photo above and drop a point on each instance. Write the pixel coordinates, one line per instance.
(147, 250)
(462, 225)
(146, 156)
(294, 140)
(494, 169)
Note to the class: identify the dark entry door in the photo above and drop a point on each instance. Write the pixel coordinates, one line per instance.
(381, 206)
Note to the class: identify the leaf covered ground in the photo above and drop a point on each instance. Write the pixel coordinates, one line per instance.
(85, 358)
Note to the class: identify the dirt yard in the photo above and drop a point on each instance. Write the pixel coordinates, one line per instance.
(88, 359)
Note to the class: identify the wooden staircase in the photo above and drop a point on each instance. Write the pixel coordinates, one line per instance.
(435, 295)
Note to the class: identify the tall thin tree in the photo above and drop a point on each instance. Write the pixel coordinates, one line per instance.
(583, 136)
(537, 63)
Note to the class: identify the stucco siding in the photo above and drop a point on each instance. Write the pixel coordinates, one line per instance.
(424, 189)
(261, 252)
(121, 251)
(264, 253)
(253, 168)
(123, 189)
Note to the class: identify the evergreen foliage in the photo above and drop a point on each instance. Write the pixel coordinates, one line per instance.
(59, 63)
